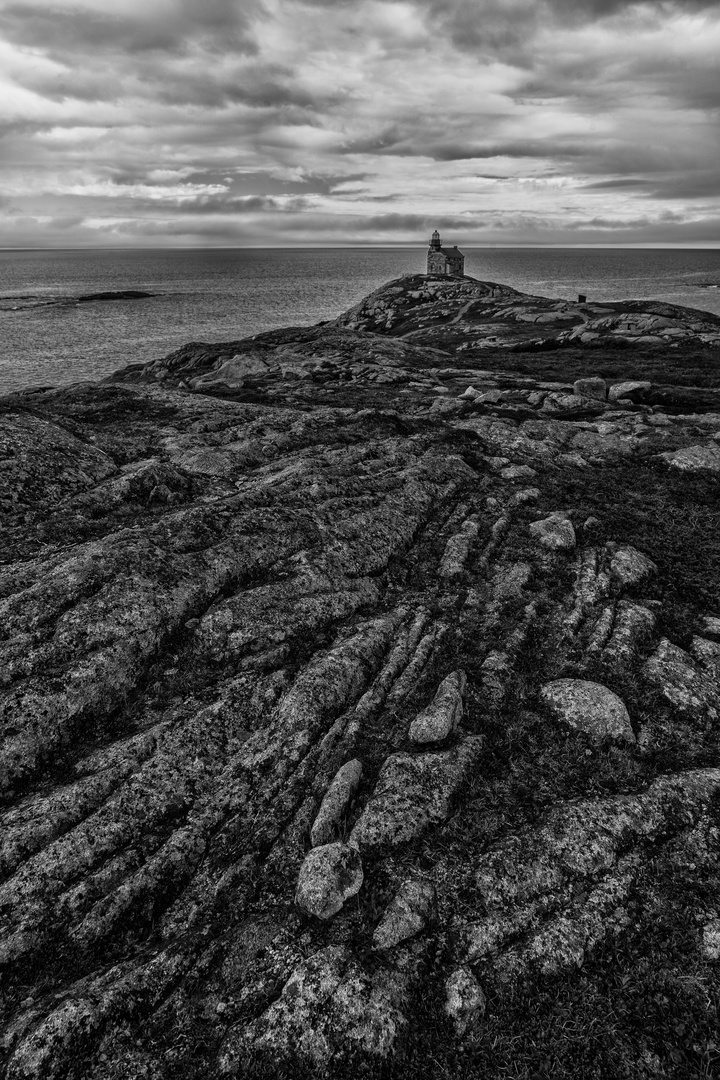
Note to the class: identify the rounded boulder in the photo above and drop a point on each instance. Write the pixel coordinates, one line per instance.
(589, 707)
(329, 876)
(464, 1000)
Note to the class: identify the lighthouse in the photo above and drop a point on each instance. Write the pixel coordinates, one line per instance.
(444, 260)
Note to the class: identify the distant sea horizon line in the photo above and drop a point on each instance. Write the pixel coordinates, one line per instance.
(703, 245)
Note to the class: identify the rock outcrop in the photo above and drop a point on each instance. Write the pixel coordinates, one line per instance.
(359, 700)
(588, 707)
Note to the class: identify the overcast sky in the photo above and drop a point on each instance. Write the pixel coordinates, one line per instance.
(293, 122)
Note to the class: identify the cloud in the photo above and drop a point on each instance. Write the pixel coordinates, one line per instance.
(509, 28)
(701, 184)
(214, 121)
(249, 204)
(160, 26)
(524, 148)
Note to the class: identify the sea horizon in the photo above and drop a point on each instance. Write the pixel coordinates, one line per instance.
(415, 246)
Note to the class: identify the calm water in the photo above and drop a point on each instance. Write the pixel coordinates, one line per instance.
(224, 295)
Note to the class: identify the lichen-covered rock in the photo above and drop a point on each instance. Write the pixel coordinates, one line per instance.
(707, 653)
(631, 626)
(329, 1008)
(443, 715)
(42, 461)
(628, 389)
(682, 682)
(591, 387)
(464, 1000)
(589, 707)
(559, 403)
(628, 566)
(457, 550)
(711, 625)
(556, 533)
(694, 459)
(329, 876)
(407, 914)
(335, 802)
(413, 792)
(711, 940)
(553, 893)
(518, 472)
(232, 372)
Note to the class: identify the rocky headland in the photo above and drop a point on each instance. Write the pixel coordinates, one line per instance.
(360, 700)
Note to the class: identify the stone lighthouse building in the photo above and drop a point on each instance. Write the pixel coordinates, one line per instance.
(444, 260)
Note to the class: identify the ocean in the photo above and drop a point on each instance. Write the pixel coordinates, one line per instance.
(221, 295)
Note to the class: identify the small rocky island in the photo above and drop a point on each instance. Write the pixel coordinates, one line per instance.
(360, 691)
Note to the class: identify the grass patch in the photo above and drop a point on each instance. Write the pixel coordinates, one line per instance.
(691, 365)
(671, 518)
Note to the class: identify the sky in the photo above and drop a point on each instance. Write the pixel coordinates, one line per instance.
(279, 123)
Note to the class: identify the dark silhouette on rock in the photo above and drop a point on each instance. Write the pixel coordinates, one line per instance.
(122, 294)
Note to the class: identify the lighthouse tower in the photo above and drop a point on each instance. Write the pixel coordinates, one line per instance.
(443, 260)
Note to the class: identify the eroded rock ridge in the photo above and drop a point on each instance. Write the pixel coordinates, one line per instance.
(359, 688)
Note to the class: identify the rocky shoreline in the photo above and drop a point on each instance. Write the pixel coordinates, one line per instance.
(359, 691)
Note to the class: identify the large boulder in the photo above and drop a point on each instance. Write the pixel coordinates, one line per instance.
(329, 876)
(592, 387)
(413, 792)
(556, 532)
(694, 459)
(232, 373)
(628, 566)
(589, 707)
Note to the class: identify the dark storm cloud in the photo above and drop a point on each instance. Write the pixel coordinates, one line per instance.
(705, 184)
(701, 185)
(592, 10)
(267, 87)
(506, 27)
(417, 141)
(599, 82)
(223, 24)
(10, 128)
(695, 84)
(416, 223)
(524, 148)
(390, 139)
(621, 183)
(258, 87)
(252, 204)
